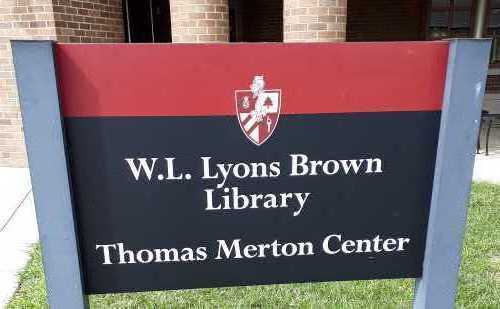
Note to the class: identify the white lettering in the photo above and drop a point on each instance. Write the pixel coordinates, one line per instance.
(143, 166)
(105, 250)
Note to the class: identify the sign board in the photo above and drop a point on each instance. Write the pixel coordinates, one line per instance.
(198, 166)
(233, 165)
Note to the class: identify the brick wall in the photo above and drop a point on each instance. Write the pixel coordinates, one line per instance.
(199, 21)
(89, 21)
(314, 20)
(62, 20)
(19, 19)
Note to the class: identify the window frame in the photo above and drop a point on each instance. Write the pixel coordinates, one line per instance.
(451, 9)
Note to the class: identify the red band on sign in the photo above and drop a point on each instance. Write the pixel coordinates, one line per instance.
(201, 80)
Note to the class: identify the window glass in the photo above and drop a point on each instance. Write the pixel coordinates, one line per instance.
(439, 19)
(461, 19)
(463, 3)
(495, 18)
(440, 3)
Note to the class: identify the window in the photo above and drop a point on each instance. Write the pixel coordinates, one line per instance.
(147, 21)
(494, 30)
(494, 15)
(450, 18)
(256, 21)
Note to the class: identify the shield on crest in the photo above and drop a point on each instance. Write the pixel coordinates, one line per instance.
(258, 110)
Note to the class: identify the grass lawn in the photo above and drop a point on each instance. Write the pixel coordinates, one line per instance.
(479, 285)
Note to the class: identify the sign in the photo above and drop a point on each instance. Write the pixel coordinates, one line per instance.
(252, 164)
(191, 166)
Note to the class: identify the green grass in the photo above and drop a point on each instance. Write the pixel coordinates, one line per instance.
(479, 283)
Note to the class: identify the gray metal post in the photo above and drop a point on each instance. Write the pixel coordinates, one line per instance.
(464, 91)
(37, 84)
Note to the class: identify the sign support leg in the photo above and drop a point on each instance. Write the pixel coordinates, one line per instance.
(465, 84)
(43, 130)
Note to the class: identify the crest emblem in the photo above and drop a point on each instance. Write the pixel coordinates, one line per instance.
(258, 110)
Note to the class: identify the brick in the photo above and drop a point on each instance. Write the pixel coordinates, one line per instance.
(38, 24)
(207, 38)
(299, 27)
(328, 34)
(76, 4)
(87, 5)
(314, 20)
(72, 25)
(319, 26)
(222, 23)
(216, 30)
(213, 15)
(71, 10)
(222, 38)
(59, 9)
(337, 26)
(327, 19)
(328, 3)
(205, 23)
(307, 3)
(198, 21)
(306, 19)
(221, 8)
(318, 11)
(35, 9)
(298, 11)
(28, 17)
(19, 10)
